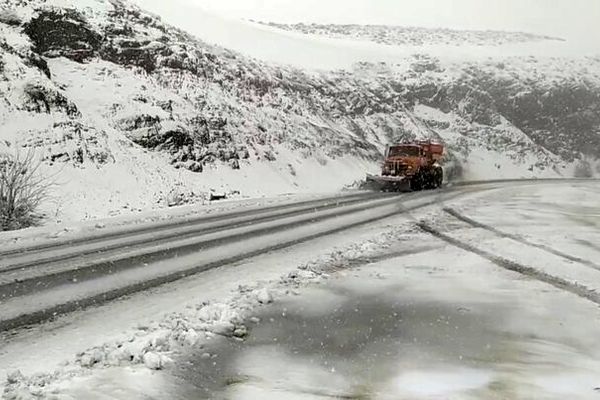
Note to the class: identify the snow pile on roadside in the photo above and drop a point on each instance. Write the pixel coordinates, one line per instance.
(156, 345)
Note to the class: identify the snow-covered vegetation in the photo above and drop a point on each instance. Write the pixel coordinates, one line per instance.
(22, 190)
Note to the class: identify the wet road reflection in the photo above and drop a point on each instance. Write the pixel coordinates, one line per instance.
(339, 343)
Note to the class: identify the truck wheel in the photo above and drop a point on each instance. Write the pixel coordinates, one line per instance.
(416, 183)
(430, 179)
(439, 177)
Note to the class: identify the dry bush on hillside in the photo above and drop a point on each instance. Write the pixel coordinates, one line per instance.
(22, 190)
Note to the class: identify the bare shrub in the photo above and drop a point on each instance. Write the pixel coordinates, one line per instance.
(22, 190)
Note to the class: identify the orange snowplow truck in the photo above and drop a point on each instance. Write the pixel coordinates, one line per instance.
(414, 164)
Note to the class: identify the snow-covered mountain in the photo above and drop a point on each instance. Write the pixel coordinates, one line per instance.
(130, 113)
(416, 36)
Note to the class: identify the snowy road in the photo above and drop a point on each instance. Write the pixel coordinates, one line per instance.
(43, 281)
(502, 307)
(511, 268)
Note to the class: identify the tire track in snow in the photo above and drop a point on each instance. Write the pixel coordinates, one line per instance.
(510, 265)
(46, 312)
(519, 239)
(76, 299)
(588, 244)
(49, 313)
(163, 232)
(44, 277)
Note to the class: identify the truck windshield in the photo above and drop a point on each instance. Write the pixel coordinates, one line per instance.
(404, 151)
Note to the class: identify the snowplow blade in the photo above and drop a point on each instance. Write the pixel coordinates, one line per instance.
(387, 183)
(386, 179)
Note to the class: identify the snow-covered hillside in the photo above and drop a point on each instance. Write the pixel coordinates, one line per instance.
(129, 113)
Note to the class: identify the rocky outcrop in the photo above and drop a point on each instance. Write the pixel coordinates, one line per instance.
(42, 99)
(562, 116)
(58, 32)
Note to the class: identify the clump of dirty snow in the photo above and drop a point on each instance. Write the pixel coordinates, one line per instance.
(155, 361)
(264, 296)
